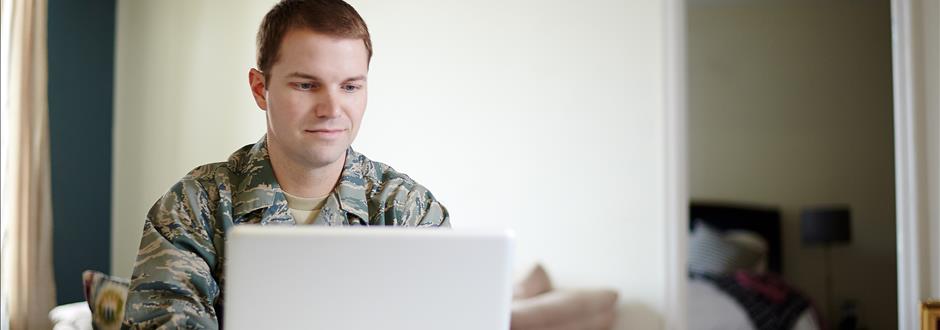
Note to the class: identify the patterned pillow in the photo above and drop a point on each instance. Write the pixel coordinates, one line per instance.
(106, 296)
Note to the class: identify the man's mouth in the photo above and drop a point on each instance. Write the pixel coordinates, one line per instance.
(325, 132)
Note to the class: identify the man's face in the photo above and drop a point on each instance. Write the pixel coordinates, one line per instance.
(314, 97)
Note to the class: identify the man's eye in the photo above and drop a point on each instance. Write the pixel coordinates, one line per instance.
(305, 86)
(351, 88)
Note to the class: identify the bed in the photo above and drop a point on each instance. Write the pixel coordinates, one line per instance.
(729, 294)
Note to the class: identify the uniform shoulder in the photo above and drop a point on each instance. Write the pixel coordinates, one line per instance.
(378, 173)
(207, 178)
(227, 170)
(394, 198)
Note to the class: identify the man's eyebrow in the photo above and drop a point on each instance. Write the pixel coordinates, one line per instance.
(312, 77)
(302, 75)
(360, 77)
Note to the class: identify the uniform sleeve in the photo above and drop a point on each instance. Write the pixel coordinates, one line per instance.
(173, 284)
(434, 214)
(421, 209)
(404, 203)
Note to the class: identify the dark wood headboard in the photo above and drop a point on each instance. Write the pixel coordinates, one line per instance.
(765, 221)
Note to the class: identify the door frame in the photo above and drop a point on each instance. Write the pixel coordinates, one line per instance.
(910, 148)
(676, 172)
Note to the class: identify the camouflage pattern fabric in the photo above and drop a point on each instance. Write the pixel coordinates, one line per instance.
(178, 277)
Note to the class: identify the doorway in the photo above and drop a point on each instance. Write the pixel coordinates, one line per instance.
(790, 113)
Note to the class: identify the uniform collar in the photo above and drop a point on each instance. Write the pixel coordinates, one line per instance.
(258, 187)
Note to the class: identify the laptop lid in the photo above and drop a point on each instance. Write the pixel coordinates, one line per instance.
(306, 277)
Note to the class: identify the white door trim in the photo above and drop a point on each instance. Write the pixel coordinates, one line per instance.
(909, 167)
(677, 200)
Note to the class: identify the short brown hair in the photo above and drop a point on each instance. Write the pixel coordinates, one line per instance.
(331, 17)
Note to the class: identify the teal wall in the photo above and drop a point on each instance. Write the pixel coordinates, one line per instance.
(81, 71)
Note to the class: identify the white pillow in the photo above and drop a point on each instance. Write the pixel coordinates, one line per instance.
(710, 252)
(753, 241)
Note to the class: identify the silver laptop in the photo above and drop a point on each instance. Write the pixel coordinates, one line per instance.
(280, 277)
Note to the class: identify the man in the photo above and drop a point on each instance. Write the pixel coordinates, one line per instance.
(311, 82)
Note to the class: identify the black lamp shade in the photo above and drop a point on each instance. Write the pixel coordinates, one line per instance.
(826, 225)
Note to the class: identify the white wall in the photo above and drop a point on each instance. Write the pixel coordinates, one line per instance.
(790, 106)
(180, 100)
(543, 116)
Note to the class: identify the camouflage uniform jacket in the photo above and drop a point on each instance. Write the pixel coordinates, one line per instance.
(178, 277)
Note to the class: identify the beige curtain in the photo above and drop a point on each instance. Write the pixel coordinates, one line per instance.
(28, 285)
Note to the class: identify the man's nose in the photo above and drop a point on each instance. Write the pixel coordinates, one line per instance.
(329, 105)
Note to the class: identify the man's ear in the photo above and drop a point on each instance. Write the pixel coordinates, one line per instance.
(258, 88)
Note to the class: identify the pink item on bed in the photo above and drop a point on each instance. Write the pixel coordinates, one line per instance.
(768, 285)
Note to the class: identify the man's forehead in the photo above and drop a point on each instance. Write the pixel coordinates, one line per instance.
(311, 53)
(310, 41)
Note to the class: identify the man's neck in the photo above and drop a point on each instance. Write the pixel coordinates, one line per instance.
(305, 181)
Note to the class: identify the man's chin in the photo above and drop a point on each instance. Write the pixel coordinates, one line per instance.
(321, 158)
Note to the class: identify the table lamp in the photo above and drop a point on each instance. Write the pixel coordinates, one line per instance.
(826, 226)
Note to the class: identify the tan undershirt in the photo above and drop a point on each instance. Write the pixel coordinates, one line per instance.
(305, 210)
